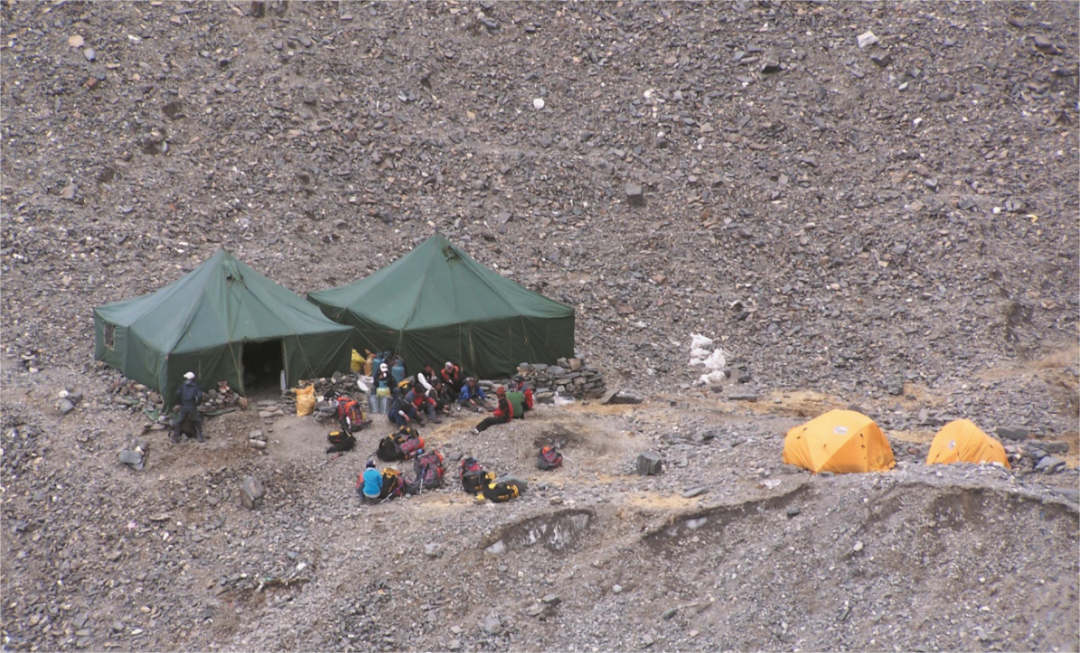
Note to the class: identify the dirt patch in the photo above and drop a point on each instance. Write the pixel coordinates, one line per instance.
(556, 532)
(708, 524)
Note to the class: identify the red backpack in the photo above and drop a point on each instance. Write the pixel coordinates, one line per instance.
(429, 472)
(549, 458)
(410, 445)
(349, 414)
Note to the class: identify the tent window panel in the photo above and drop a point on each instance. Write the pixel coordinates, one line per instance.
(110, 335)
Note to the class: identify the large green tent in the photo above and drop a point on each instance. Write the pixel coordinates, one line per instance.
(436, 304)
(225, 322)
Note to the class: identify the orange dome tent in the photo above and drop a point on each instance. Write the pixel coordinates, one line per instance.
(960, 441)
(840, 441)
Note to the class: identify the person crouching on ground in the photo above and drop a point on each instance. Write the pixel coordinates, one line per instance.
(451, 376)
(419, 400)
(372, 480)
(472, 396)
(189, 395)
(503, 414)
(520, 397)
(401, 411)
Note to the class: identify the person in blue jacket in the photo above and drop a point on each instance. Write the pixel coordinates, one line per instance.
(372, 479)
(401, 411)
(472, 396)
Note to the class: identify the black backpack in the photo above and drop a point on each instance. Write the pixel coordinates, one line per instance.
(340, 441)
(500, 492)
(400, 445)
(472, 476)
(549, 458)
(392, 484)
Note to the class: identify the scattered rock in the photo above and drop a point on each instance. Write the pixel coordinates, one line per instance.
(1012, 433)
(896, 386)
(1054, 447)
(770, 62)
(135, 454)
(251, 493)
(881, 58)
(866, 39)
(649, 463)
(742, 395)
(1050, 465)
(635, 196)
(619, 397)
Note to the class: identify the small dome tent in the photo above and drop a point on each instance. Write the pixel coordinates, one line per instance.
(840, 441)
(960, 441)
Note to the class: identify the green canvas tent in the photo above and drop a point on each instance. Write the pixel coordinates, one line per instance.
(224, 321)
(436, 304)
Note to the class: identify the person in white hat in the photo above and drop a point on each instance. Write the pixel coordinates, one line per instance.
(188, 395)
(381, 381)
(451, 376)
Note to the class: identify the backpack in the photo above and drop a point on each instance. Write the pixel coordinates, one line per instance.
(392, 484)
(472, 475)
(349, 414)
(410, 445)
(340, 441)
(429, 472)
(500, 492)
(549, 458)
(400, 445)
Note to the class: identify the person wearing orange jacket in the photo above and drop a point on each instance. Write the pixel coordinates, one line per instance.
(451, 376)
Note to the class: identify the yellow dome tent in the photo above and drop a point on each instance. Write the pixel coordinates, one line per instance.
(840, 441)
(960, 441)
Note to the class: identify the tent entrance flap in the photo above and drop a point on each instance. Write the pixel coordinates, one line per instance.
(262, 364)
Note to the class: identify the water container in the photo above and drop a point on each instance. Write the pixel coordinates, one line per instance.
(398, 370)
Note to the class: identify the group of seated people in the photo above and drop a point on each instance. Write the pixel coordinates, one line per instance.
(406, 401)
(432, 393)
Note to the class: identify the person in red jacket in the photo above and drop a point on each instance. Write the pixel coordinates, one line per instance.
(421, 401)
(503, 414)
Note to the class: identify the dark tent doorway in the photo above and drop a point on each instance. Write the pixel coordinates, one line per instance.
(262, 364)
